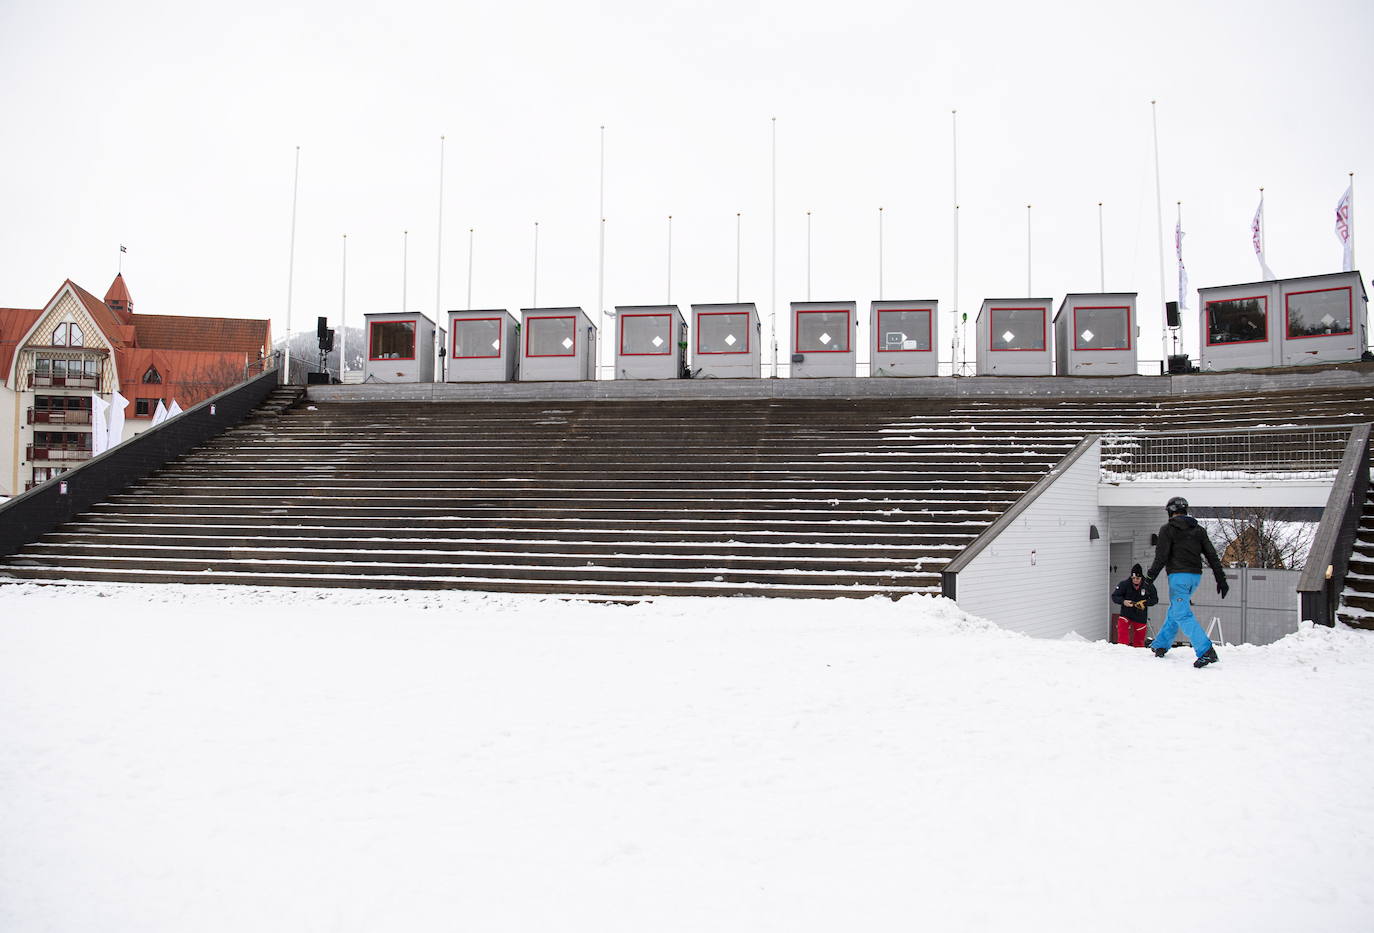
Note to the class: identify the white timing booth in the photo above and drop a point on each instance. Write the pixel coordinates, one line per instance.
(1095, 335)
(824, 338)
(1013, 337)
(400, 348)
(728, 341)
(1284, 322)
(483, 347)
(651, 342)
(904, 338)
(556, 344)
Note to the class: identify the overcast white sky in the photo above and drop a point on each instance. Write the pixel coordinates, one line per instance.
(172, 127)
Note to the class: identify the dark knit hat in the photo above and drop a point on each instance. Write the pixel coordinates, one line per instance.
(1137, 570)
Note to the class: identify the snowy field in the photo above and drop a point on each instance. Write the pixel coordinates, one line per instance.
(221, 759)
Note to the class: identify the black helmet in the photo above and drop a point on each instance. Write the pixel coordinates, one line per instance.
(1176, 506)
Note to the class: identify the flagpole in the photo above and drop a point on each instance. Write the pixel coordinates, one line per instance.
(534, 298)
(405, 268)
(773, 300)
(439, 257)
(956, 347)
(1352, 220)
(738, 229)
(1101, 253)
(343, 312)
(1182, 304)
(470, 238)
(601, 250)
(670, 259)
(880, 254)
(291, 264)
(1029, 292)
(1159, 219)
(808, 255)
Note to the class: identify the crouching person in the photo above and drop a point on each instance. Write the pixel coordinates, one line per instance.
(1183, 546)
(1135, 595)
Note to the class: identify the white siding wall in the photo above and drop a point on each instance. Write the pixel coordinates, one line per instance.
(1043, 576)
(10, 419)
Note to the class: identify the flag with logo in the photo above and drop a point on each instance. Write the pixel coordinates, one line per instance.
(1345, 222)
(1257, 238)
(118, 404)
(100, 427)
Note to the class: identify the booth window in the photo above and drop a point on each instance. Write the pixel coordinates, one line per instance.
(1017, 329)
(903, 330)
(1238, 320)
(152, 376)
(1321, 313)
(392, 340)
(1102, 328)
(646, 334)
(551, 336)
(477, 338)
(822, 331)
(723, 332)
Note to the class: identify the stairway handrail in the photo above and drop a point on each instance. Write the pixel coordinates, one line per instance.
(1005, 520)
(1323, 578)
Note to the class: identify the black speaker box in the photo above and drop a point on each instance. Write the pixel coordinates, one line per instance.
(1171, 313)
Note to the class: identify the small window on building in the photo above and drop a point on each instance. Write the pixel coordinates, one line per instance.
(59, 369)
(1017, 329)
(822, 331)
(551, 336)
(152, 376)
(392, 340)
(42, 367)
(144, 407)
(646, 334)
(723, 332)
(1238, 320)
(1101, 328)
(477, 339)
(1320, 313)
(74, 336)
(904, 330)
(92, 369)
(59, 336)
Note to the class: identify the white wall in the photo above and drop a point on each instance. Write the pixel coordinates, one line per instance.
(10, 419)
(1043, 576)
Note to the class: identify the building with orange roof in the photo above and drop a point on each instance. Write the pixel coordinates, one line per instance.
(54, 360)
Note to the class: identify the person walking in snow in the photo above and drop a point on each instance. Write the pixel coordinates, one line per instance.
(1183, 546)
(1135, 595)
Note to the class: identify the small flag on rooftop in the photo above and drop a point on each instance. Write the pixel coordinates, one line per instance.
(1345, 218)
(1257, 238)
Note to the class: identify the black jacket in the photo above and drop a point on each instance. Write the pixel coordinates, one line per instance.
(1126, 590)
(1182, 547)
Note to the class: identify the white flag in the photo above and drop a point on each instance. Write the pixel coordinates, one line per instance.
(159, 414)
(100, 428)
(1257, 237)
(117, 405)
(1182, 270)
(174, 410)
(1345, 228)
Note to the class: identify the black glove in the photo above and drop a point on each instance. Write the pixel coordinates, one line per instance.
(1223, 587)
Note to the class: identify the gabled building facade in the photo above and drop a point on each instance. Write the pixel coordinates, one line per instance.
(54, 360)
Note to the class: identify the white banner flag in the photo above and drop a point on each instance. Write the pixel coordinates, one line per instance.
(1345, 222)
(100, 428)
(159, 413)
(1257, 238)
(117, 405)
(1182, 270)
(174, 410)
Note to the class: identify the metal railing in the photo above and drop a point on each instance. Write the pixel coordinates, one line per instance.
(1253, 453)
(43, 452)
(60, 416)
(37, 381)
(1323, 579)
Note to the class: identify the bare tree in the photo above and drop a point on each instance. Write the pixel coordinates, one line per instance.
(1257, 537)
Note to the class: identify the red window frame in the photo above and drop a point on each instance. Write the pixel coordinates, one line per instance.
(414, 340)
(550, 317)
(1129, 329)
(1044, 341)
(930, 329)
(796, 328)
(1350, 296)
(747, 328)
(1207, 320)
(667, 346)
(500, 338)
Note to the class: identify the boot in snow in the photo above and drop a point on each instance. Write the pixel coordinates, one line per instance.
(1159, 651)
(1210, 657)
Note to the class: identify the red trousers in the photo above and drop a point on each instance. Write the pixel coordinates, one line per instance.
(1130, 633)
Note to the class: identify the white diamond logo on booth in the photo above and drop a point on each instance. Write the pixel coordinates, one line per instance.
(658, 341)
(825, 339)
(1008, 337)
(730, 340)
(1087, 335)
(496, 344)
(1328, 320)
(567, 343)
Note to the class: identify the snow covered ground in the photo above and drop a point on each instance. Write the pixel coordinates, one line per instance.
(209, 758)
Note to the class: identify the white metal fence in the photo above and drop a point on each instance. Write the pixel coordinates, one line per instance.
(1256, 453)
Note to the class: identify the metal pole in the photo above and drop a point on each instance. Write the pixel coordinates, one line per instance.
(1029, 291)
(738, 229)
(343, 313)
(808, 255)
(601, 249)
(439, 257)
(1159, 218)
(405, 268)
(1101, 253)
(880, 254)
(773, 301)
(956, 350)
(291, 263)
(470, 238)
(534, 298)
(670, 259)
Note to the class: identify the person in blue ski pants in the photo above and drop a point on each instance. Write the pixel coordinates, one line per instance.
(1182, 547)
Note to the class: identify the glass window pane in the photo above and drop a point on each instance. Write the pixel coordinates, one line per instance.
(903, 329)
(42, 367)
(723, 332)
(479, 338)
(1101, 329)
(1237, 320)
(59, 368)
(646, 334)
(59, 336)
(551, 336)
(393, 340)
(822, 331)
(75, 338)
(1017, 329)
(1319, 314)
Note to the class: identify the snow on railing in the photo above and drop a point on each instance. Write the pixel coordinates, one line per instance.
(1261, 452)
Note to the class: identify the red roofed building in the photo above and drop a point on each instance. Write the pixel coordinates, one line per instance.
(55, 359)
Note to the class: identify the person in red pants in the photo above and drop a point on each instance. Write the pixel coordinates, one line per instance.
(1135, 595)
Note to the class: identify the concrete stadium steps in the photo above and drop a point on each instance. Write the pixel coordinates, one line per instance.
(1357, 599)
(618, 500)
